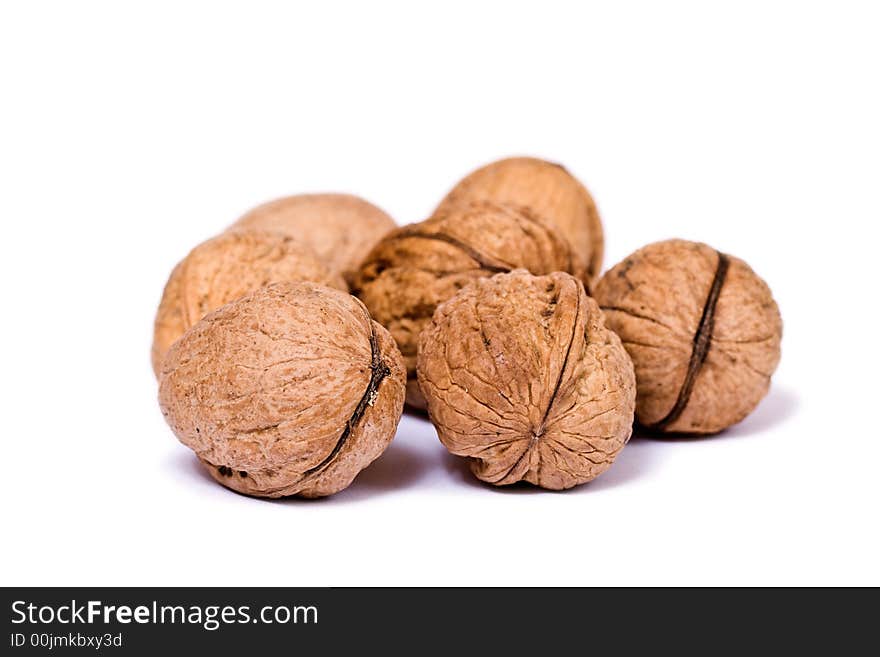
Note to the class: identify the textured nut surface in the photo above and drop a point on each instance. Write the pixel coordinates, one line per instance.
(522, 377)
(340, 228)
(292, 389)
(225, 268)
(703, 332)
(551, 192)
(417, 267)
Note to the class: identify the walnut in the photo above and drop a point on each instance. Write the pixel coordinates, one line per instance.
(417, 267)
(551, 192)
(703, 332)
(522, 378)
(225, 268)
(290, 390)
(340, 228)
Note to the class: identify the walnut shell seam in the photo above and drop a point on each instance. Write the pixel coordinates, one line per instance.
(484, 262)
(379, 370)
(702, 341)
(539, 431)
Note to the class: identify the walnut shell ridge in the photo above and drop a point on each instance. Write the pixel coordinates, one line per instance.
(227, 267)
(340, 228)
(551, 192)
(703, 332)
(522, 378)
(290, 390)
(417, 267)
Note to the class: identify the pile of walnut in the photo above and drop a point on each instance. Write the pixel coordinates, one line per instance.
(488, 314)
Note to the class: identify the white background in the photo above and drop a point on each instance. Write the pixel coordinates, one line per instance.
(128, 135)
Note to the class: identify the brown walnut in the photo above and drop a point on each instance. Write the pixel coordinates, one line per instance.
(340, 228)
(703, 332)
(225, 268)
(522, 378)
(290, 390)
(417, 267)
(551, 192)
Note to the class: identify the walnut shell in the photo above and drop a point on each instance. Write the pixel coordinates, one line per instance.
(551, 192)
(340, 228)
(225, 268)
(703, 332)
(522, 377)
(417, 267)
(290, 390)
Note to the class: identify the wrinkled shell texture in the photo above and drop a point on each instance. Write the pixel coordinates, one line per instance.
(522, 378)
(703, 332)
(289, 390)
(417, 267)
(340, 228)
(551, 192)
(225, 268)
